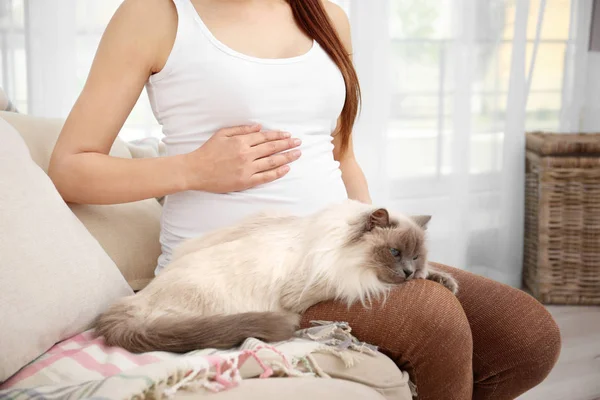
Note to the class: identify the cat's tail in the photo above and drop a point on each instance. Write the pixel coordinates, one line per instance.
(124, 325)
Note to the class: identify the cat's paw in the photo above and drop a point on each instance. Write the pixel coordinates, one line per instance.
(445, 279)
(420, 274)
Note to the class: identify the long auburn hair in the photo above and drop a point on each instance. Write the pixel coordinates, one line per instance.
(311, 16)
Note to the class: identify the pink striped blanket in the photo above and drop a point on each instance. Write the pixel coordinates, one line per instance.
(84, 367)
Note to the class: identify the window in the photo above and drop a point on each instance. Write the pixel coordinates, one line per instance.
(13, 67)
(92, 16)
(422, 126)
(422, 41)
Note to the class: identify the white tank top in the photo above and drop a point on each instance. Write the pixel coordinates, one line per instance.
(206, 86)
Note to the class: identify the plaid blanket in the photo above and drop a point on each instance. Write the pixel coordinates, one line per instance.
(84, 367)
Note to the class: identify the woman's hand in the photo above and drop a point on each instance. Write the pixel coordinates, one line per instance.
(135, 45)
(239, 158)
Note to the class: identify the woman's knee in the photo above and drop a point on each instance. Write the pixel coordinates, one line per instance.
(434, 344)
(540, 340)
(420, 315)
(515, 348)
(433, 319)
(550, 351)
(423, 328)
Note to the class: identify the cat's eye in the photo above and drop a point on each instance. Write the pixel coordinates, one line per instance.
(395, 252)
(416, 258)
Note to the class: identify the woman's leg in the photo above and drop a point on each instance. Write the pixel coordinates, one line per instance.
(498, 344)
(423, 328)
(515, 340)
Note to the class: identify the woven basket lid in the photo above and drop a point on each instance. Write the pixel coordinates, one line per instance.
(548, 144)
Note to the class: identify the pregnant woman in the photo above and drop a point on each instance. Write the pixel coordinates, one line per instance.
(257, 99)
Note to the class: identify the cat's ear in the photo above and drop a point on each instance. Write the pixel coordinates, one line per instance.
(378, 218)
(421, 220)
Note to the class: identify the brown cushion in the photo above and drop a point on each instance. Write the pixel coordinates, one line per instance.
(129, 233)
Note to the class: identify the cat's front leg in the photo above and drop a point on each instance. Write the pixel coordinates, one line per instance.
(440, 277)
(443, 278)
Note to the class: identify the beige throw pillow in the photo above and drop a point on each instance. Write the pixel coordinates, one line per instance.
(54, 276)
(129, 233)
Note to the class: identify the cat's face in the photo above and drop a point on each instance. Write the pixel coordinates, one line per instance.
(397, 248)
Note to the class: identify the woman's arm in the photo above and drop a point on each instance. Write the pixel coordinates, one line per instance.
(80, 167)
(352, 175)
(136, 44)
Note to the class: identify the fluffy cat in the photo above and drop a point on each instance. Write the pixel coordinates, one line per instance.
(255, 278)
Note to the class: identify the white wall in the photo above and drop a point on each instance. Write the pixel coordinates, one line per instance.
(590, 119)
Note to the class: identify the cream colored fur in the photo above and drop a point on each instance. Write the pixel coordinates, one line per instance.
(280, 264)
(270, 263)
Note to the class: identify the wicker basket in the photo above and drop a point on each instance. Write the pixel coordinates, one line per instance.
(562, 218)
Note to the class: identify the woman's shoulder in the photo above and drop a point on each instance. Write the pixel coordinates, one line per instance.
(340, 21)
(334, 10)
(147, 15)
(150, 24)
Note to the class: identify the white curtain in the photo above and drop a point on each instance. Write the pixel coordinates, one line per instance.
(450, 87)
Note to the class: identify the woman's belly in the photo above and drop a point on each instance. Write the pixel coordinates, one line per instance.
(313, 182)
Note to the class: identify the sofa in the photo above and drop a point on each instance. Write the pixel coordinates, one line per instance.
(63, 264)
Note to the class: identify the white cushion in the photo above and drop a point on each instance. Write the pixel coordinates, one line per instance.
(55, 278)
(129, 233)
(290, 389)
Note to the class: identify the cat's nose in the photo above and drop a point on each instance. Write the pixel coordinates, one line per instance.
(408, 272)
